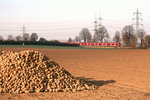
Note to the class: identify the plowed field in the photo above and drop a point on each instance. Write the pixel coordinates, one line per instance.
(119, 74)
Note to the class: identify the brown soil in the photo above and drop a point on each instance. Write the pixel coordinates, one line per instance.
(119, 74)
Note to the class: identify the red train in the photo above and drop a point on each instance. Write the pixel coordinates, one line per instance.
(97, 44)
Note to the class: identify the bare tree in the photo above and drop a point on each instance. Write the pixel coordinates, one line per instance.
(42, 39)
(18, 38)
(101, 34)
(89, 38)
(133, 41)
(77, 39)
(85, 35)
(10, 38)
(1, 38)
(34, 37)
(141, 34)
(127, 33)
(70, 39)
(94, 39)
(117, 38)
(26, 37)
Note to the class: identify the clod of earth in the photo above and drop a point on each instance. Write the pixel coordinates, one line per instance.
(31, 71)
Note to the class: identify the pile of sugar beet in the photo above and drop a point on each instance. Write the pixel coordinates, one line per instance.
(30, 71)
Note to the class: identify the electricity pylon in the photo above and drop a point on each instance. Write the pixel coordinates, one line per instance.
(137, 20)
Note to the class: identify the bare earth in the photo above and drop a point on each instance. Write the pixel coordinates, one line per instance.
(119, 74)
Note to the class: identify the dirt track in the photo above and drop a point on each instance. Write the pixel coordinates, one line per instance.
(120, 74)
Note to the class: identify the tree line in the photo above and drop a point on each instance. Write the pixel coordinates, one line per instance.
(24, 37)
(32, 39)
(127, 37)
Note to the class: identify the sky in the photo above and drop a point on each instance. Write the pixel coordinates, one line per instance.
(61, 19)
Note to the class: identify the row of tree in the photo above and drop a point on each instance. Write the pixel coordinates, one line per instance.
(25, 37)
(46, 43)
(128, 36)
(100, 35)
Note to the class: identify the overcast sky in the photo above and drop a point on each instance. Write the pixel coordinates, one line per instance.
(60, 19)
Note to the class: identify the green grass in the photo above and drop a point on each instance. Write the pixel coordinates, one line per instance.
(53, 47)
